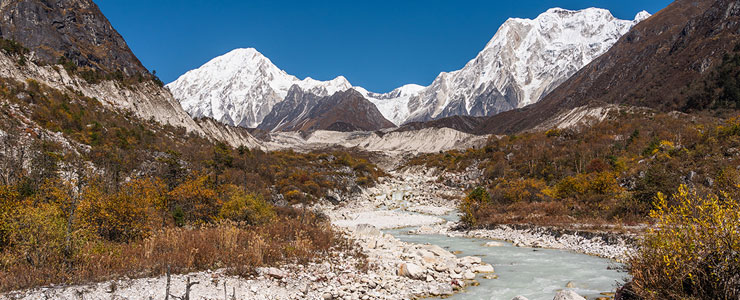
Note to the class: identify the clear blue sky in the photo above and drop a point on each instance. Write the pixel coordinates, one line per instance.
(376, 44)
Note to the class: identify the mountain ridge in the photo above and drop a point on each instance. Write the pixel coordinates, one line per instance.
(482, 88)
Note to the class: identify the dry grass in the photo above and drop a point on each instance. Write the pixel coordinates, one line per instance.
(238, 248)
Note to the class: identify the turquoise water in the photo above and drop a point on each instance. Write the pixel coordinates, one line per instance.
(533, 273)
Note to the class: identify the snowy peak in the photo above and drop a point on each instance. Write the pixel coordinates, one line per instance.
(523, 62)
(642, 16)
(525, 59)
(241, 87)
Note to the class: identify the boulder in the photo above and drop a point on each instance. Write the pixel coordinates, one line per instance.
(469, 260)
(468, 275)
(494, 244)
(441, 268)
(519, 298)
(367, 230)
(438, 251)
(568, 295)
(411, 271)
(455, 275)
(483, 268)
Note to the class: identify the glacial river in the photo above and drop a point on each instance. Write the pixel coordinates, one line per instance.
(537, 274)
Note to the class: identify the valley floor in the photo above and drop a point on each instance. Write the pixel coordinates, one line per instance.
(394, 269)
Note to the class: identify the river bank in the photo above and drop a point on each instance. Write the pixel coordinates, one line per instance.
(393, 268)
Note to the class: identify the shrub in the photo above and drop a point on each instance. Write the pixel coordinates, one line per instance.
(197, 200)
(244, 207)
(37, 237)
(472, 202)
(693, 252)
(520, 190)
(8, 205)
(119, 217)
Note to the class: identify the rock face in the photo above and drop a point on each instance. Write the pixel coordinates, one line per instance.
(343, 111)
(241, 87)
(75, 29)
(525, 60)
(297, 105)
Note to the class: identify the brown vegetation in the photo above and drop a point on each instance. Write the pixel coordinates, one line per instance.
(120, 196)
(608, 172)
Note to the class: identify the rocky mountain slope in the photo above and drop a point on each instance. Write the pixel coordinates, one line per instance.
(343, 111)
(655, 65)
(85, 34)
(524, 61)
(74, 29)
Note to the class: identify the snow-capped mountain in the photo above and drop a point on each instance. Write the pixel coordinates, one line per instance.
(524, 61)
(394, 104)
(241, 87)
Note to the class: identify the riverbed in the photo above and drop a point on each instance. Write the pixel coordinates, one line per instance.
(533, 273)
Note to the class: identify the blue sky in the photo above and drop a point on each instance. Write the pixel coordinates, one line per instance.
(377, 44)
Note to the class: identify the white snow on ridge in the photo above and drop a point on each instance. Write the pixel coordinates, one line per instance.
(393, 105)
(525, 60)
(241, 87)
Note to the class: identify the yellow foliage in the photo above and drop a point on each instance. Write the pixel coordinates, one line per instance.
(524, 190)
(8, 206)
(243, 207)
(294, 196)
(37, 236)
(693, 251)
(603, 183)
(196, 198)
(123, 216)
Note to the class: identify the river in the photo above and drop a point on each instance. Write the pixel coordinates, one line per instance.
(537, 274)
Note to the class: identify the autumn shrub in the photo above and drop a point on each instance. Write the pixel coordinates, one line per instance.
(233, 246)
(120, 217)
(469, 206)
(507, 192)
(196, 198)
(693, 252)
(38, 238)
(8, 206)
(583, 185)
(244, 207)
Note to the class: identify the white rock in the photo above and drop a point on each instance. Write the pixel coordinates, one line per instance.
(275, 273)
(470, 260)
(494, 244)
(411, 270)
(568, 295)
(468, 275)
(483, 268)
(519, 298)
